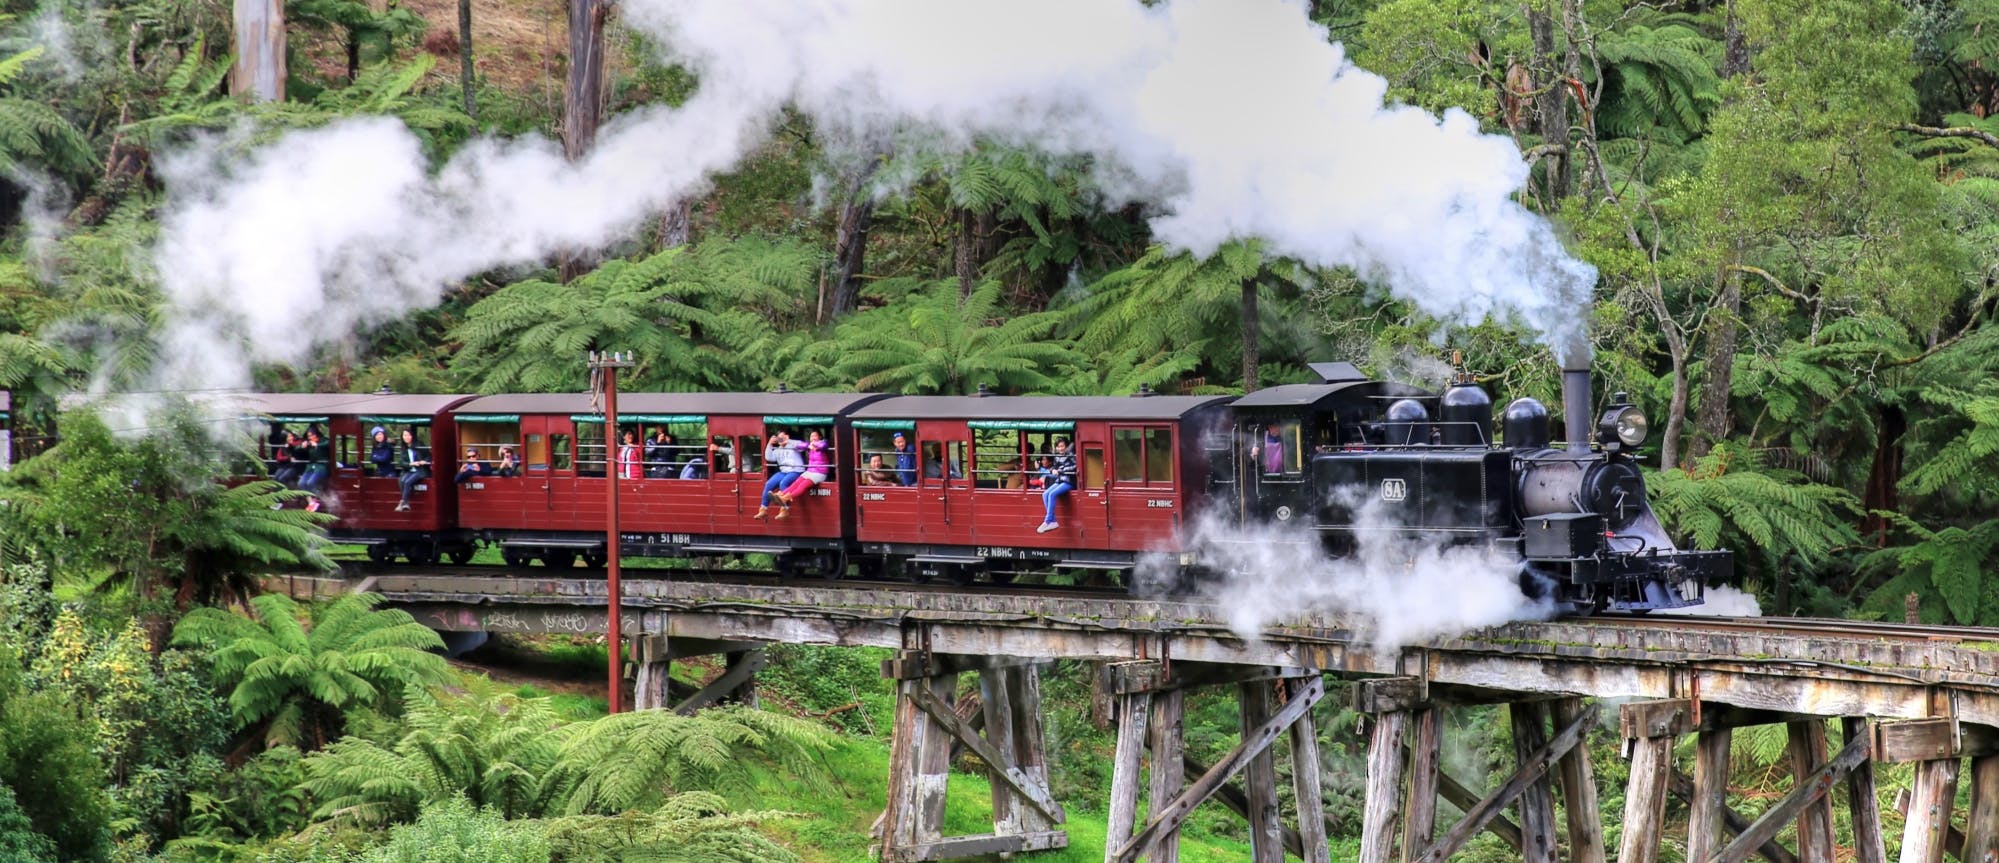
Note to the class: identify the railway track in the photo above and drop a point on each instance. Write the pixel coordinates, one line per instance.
(1810, 626)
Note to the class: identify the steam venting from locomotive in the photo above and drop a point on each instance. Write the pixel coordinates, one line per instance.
(1223, 118)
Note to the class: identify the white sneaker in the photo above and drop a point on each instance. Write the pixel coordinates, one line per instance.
(1046, 526)
(402, 507)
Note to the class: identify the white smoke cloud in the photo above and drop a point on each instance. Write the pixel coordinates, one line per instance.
(1392, 592)
(1720, 600)
(1227, 118)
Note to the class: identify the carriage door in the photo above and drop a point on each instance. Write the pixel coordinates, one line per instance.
(1093, 484)
(736, 471)
(1142, 493)
(944, 494)
(548, 446)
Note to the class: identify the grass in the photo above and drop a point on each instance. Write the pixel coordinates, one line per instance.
(834, 812)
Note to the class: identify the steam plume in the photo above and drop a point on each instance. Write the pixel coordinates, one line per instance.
(1227, 118)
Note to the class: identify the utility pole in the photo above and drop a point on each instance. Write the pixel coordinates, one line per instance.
(604, 368)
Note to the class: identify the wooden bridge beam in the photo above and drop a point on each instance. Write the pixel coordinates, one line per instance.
(1578, 781)
(1419, 814)
(1806, 751)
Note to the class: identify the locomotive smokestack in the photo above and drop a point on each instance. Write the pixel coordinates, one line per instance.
(1576, 416)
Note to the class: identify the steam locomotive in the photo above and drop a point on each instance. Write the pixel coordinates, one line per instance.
(930, 487)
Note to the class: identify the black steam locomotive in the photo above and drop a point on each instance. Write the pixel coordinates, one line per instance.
(1356, 460)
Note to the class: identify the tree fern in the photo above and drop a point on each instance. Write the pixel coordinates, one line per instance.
(638, 760)
(295, 680)
(495, 752)
(938, 342)
(1732, 500)
(690, 827)
(1659, 81)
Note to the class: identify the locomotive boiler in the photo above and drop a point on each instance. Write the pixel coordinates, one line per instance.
(1355, 460)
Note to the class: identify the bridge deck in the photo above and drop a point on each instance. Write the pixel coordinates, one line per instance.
(1825, 668)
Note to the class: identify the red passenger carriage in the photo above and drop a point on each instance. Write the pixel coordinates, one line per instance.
(365, 503)
(694, 495)
(973, 504)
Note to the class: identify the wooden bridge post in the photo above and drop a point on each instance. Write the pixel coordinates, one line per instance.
(1537, 802)
(650, 690)
(1025, 817)
(1419, 814)
(1708, 807)
(1169, 762)
(1981, 824)
(1806, 750)
(1388, 705)
(1579, 803)
(1266, 837)
(1863, 800)
(1650, 728)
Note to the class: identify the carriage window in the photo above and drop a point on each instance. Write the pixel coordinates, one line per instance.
(937, 463)
(879, 444)
(996, 459)
(679, 454)
(590, 456)
(537, 453)
(750, 450)
(1093, 465)
(487, 439)
(343, 449)
(1159, 456)
(1128, 455)
(564, 456)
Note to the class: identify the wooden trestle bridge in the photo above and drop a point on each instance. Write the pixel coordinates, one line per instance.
(1901, 693)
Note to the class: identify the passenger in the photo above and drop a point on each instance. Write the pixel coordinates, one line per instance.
(289, 468)
(933, 463)
(784, 452)
(318, 455)
(383, 454)
(905, 460)
(1011, 476)
(724, 454)
(628, 456)
(1059, 477)
(817, 465)
(1271, 452)
(875, 474)
(471, 467)
(659, 455)
(508, 466)
(413, 461)
(1038, 481)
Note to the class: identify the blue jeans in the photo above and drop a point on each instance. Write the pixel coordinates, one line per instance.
(1049, 497)
(314, 478)
(778, 482)
(411, 478)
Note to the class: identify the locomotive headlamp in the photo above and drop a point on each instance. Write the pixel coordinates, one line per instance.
(1623, 423)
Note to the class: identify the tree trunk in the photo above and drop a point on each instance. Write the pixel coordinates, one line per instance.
(259, 72)
(582, 101)
(353, 55)
(1251, 324)
(1885, 474)
(465, 57)
(1725, 335)
(1735, 46)
(583, 98)
(1551, 105)
(978, 235)
(676, 227)
(850, 240)
(1676, 414)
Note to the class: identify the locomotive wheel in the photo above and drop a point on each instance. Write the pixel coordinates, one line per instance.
(381, 553)
(558, 559)
(515, 558)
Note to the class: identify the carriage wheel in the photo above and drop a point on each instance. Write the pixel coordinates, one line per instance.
(1003, 576)
(460, 555)
(421, 554)
(596, 558)
(831, 565)
(515, 558)
(381, 553)
(558, 559)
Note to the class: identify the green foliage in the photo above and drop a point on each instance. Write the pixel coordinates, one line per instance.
(630, 761)
(1948, 567)
(937, 342)
(1731, 500)
(294, 680)
(19, 843)
(842, 684)
(154, 724)
(452, 831)
(494, 752)
(265, 797)
(690, 827)
(150, 511)
(1658, 78)
(45, 759)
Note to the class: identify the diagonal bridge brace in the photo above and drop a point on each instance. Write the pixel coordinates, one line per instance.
(1531, 770)
(1023, 784)
(1172, 815)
